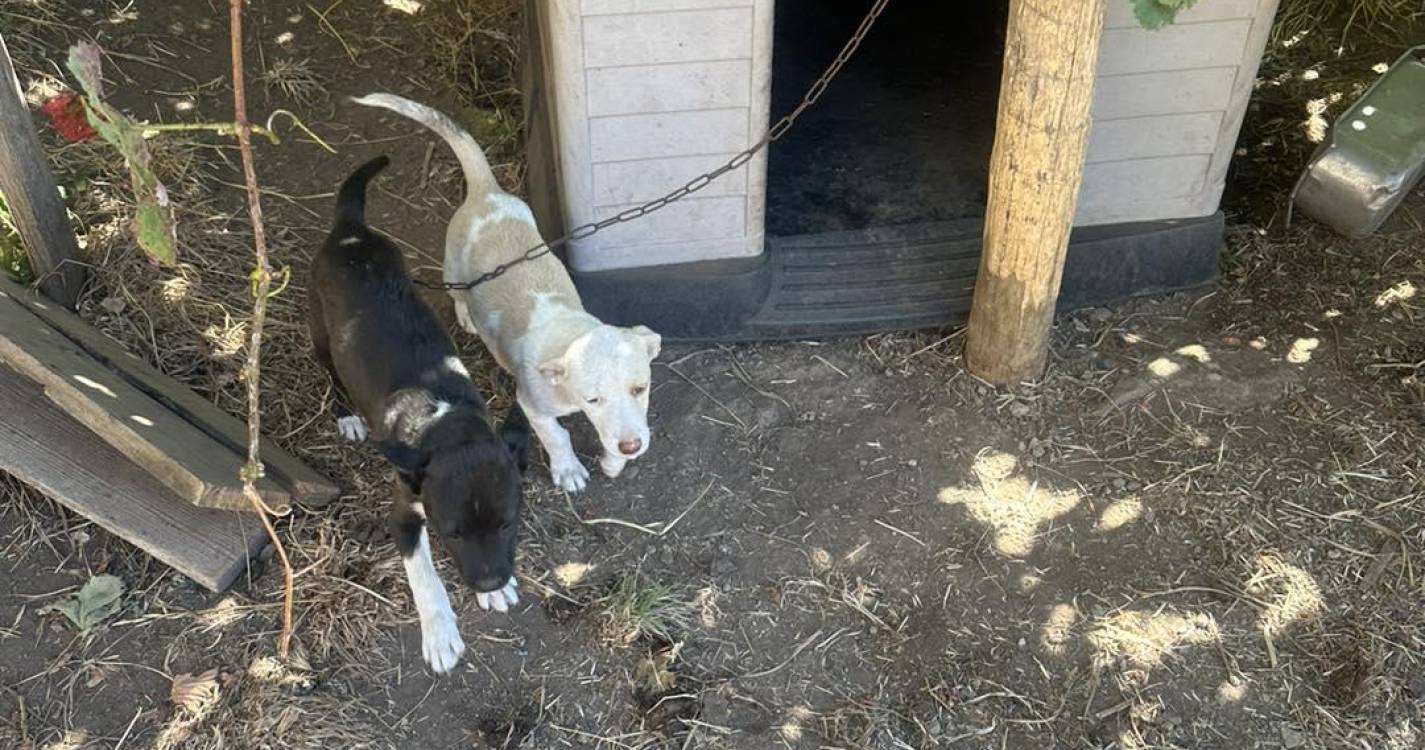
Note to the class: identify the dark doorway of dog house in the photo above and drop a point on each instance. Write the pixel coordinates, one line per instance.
(876, 199)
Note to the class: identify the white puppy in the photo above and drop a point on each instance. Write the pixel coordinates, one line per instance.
(563, 359)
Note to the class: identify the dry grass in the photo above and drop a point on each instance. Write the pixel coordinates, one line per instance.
(637, 609)
(1368, 17)
(293, 79)
(1298, 597)
(479, 45)
(1321, 57)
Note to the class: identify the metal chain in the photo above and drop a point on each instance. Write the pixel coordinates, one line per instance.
(773, 135)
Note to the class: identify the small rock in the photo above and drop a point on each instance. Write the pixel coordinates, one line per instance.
(723, 566)
(912, 463)
(113, 305)
(1100, 315)
(1292, 737)
(1019, 410)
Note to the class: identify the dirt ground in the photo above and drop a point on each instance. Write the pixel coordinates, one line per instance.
(1201, 529)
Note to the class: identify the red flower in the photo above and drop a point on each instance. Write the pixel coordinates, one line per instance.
(66, 112)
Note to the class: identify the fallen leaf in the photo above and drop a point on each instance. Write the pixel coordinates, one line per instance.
(96, 602)
(193, 693)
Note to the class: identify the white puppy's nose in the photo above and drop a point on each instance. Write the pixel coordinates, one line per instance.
(630, 447)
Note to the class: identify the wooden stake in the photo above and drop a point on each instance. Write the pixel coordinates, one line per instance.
(33, 198)
(1046, 92)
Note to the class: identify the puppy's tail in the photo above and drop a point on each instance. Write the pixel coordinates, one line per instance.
(479, 179)
(351, 198)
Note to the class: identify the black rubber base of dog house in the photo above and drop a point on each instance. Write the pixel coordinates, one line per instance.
(887, 279)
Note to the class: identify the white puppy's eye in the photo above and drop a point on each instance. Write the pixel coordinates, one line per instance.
(639, 390)
(594, 400)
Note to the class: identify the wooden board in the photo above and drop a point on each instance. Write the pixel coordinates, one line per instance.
(191, 464)
(305, 485)
(43, 446)
(30, 192)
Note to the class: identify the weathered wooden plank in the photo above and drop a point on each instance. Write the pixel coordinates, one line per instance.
(609, 7)
(1120, 14)
(33, 198)
(46, 448)
(183, 458)
(305, 485)
(1160, 177)
(691, 219)
(645, 179)
(650, 89)
(628, 137)
(1166, 93)
(1189, 47)
(1161, 135)
(656, 38)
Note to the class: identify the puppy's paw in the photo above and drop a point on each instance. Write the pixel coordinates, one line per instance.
(440, 642)
(500, 600)
(612, 465)
(569, 474)
(352, 428)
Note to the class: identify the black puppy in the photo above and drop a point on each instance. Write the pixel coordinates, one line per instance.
(390, 358)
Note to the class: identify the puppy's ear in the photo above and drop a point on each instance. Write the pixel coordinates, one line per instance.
(410, 463)
(554, 370)
(652, 342)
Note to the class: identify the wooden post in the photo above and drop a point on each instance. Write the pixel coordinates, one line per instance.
(32, 196)
(1050, 60)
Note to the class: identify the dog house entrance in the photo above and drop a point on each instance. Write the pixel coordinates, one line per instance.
(903, 135)
(875, 200)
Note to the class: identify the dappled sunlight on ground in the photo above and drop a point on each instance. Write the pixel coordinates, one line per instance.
(571, 574)
(792, 728)
(224, 342)
(1057, 629)
(1118, 514)
(1197, 353)
(226, 612)
(1163, 367)
(74, 739)
(1405, 735)
(1142, 641)
(1232, 690)
(1396, 294)
(1290, 594)
(1301, 349)
(1015, 506)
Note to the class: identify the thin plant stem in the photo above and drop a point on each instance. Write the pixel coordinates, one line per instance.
(262, 282)
(221, 128)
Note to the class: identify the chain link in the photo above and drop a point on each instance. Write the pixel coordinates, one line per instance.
(773, 135)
